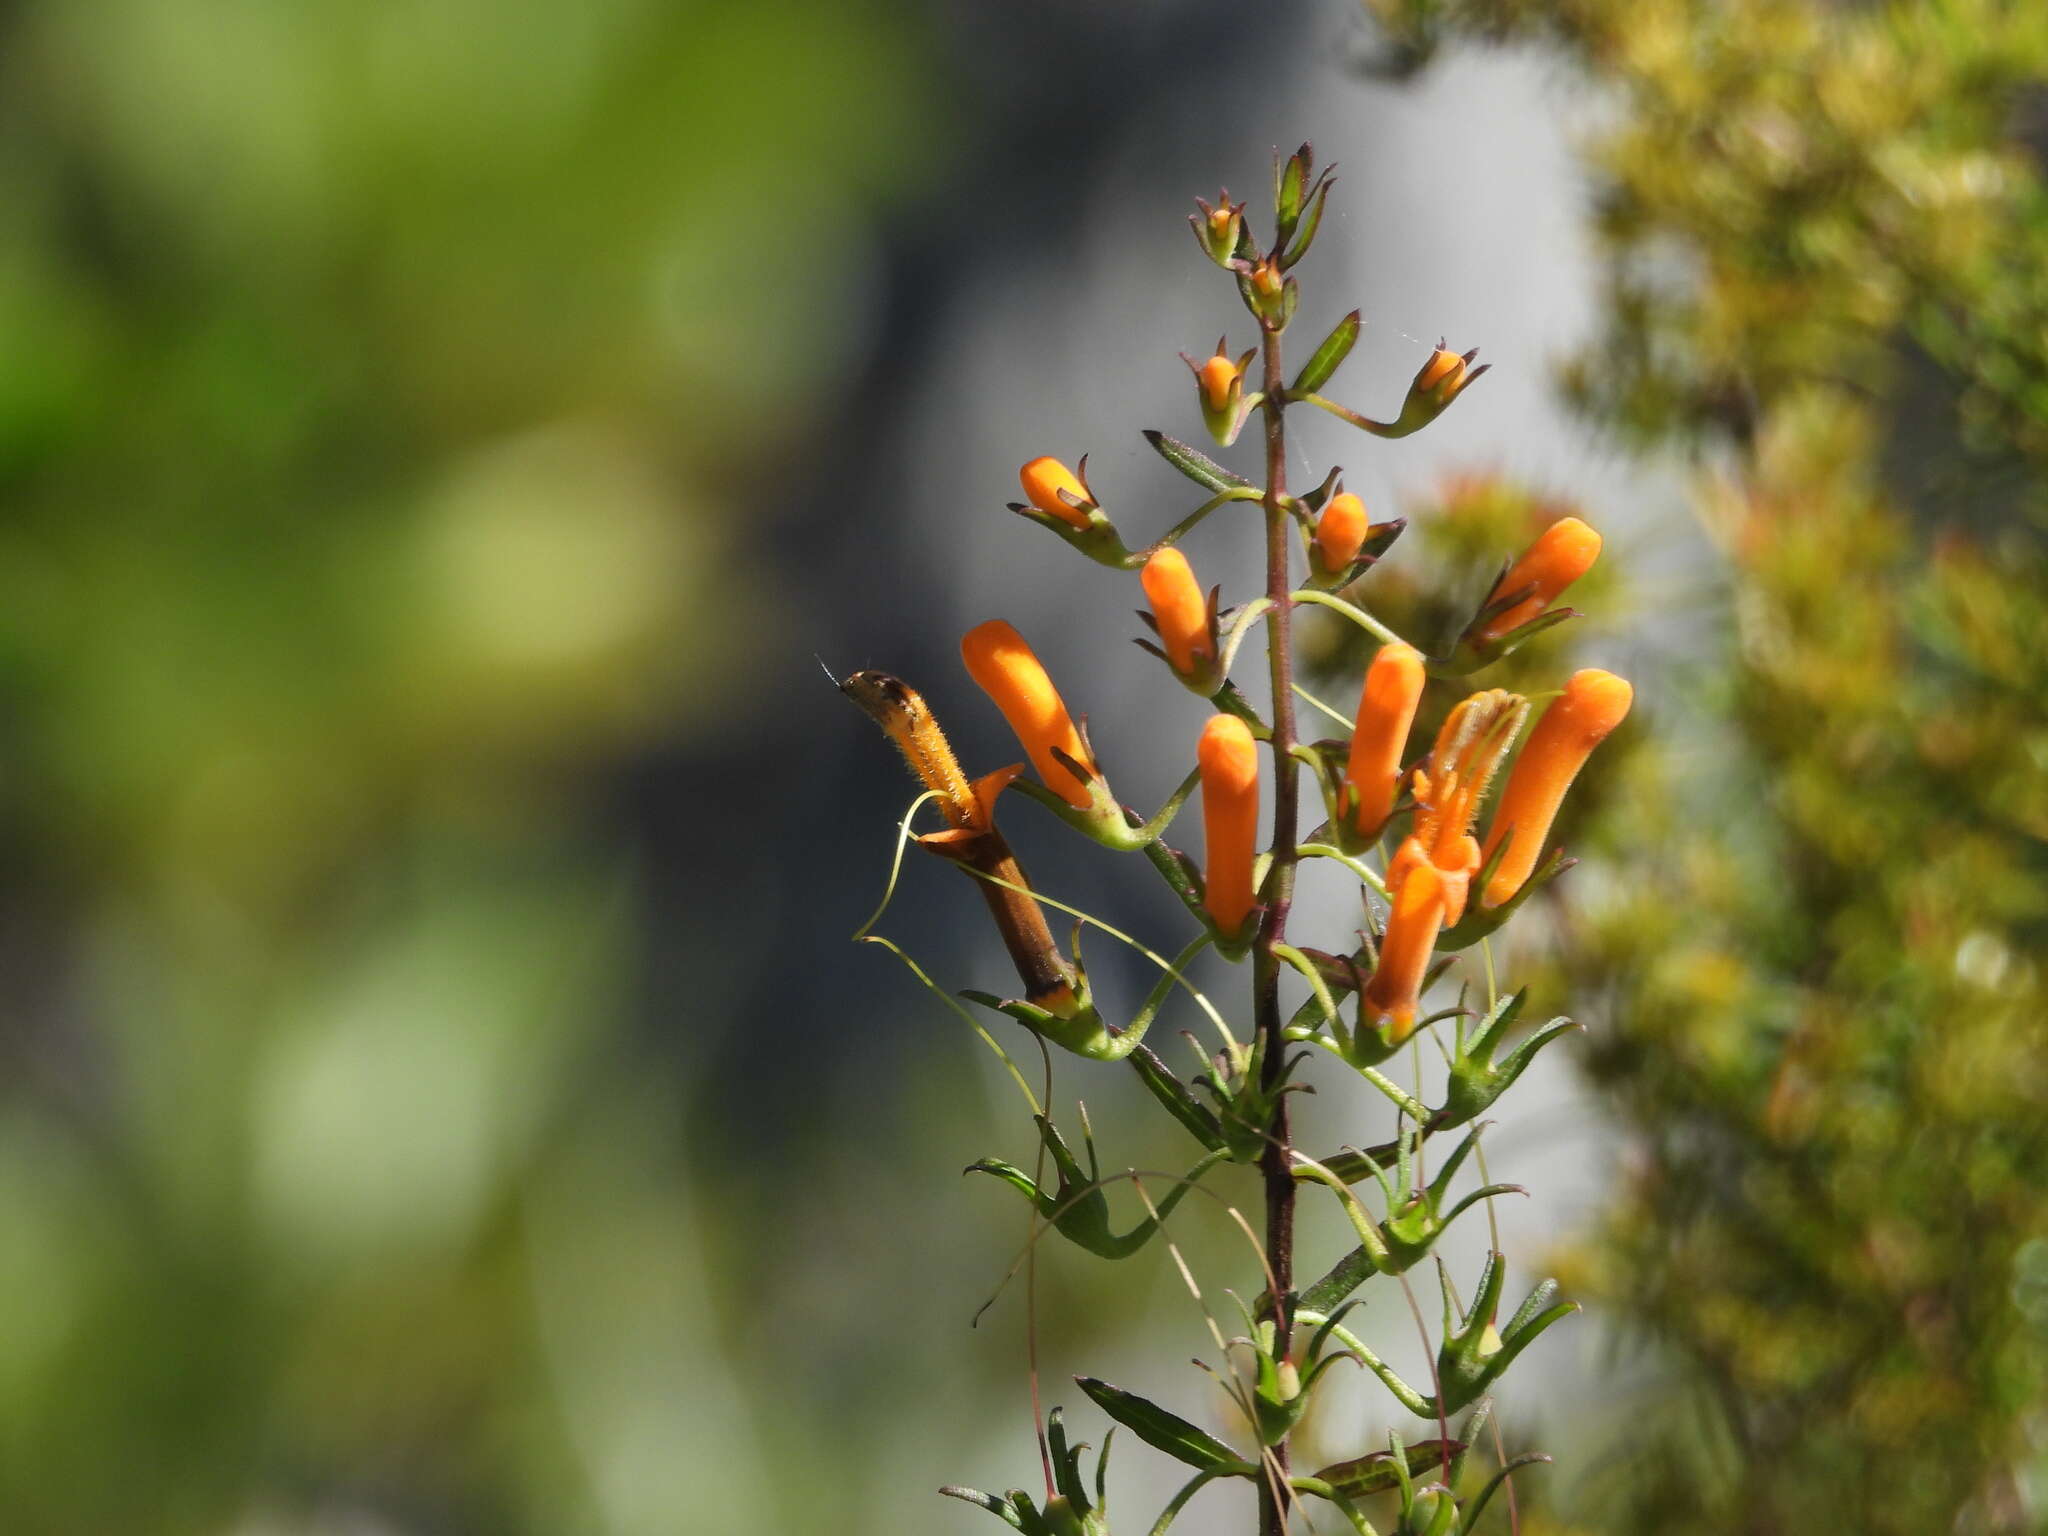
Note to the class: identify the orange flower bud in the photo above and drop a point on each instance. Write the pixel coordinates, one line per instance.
(1217, 377)
(1340, 531)
(1229, 761)
(1386, 708)
(1594, 703)
(1443, 364)
(1044, 479)
(1006, 670)
(1179, 608)
(1561, 554)
(1391, 996)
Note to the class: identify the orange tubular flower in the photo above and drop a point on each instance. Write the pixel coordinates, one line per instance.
(1229, 761)
(1386, 708)
(1561, 554)
(1475, 737)
(1340, 532)
(1044, 479)
(1179, 609)
(1007, 671)
(1593, 704)
(1390, 998)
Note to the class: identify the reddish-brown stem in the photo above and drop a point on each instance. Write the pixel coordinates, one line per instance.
(1275, 1162)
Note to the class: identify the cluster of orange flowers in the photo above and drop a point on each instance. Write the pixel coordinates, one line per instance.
(1430, 876)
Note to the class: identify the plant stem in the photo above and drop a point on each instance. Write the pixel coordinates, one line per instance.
(1276, 1162)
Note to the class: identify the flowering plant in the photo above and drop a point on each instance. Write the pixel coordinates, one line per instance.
(1452, 877)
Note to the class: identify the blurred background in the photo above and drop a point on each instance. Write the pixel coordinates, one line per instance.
(439, 442)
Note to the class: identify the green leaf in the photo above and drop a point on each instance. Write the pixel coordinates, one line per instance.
(1377, 1473)
(1324, 361)
(1197, 466)
(1164, 1431)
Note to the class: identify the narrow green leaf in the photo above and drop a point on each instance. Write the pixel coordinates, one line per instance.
(1324, 361)
(1193, 463)
(1161, 1430)
(1377, 1473)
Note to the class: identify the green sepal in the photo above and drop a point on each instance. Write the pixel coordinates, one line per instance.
(1001, 1508)
(1468, 1361)
(1375, 1473)
(1471, 653)
(1327, 357)
(1476, 1079)
(1290, 190)
(1078, 1207)
(1165, 1431)
(1312, 221)
(1195, 464)
(1415, 1219)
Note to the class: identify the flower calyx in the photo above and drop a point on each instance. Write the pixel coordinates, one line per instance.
(1219, 389)
(1474, 1351)
(1268, 292)
(1417, 1216)
(1077, 1205)
(1346, 543)
(1440, 380)
(1476, 1078)
(1220, 231)
(1071, 1511)
(1281, 1384)
(1061, 499)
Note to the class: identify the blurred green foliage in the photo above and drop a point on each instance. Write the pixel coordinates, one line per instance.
(1816, 960)
(377, 382)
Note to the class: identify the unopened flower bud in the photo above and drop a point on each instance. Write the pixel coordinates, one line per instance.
(1217, 228)
(1179, 610)
(1340, 533)
(1593, 704)
(1006, 670)
(1441, 380)
(1386, 709)
(1228, 758)
(1288, 1381)
(1219, 380)
(1443, 364)
(1270, 293)
(1560, 555)
(1219, 386)
(1043, 480)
